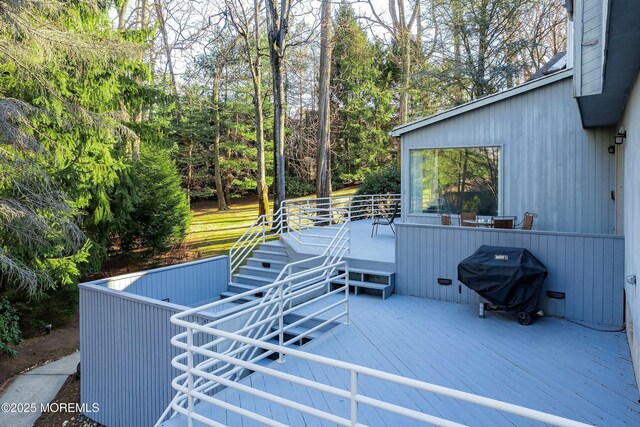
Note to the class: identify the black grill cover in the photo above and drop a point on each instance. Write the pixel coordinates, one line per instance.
(510, 278)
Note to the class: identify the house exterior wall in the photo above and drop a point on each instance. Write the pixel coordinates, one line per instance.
(587, 268)
(550, 164)
(631, 203)
(590, 29)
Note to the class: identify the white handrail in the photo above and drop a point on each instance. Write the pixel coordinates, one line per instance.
(352, 393)
(276, 302)
(281, 299)
(253, 236)
(296, 217)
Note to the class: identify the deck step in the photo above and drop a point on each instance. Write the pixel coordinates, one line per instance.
(229, 294)
(370, 272)
(266, 263)
(385, 289)
(239, 288)
(275, 245)
(268, 273)
(299, 330)
(271, 255)
(249, 279)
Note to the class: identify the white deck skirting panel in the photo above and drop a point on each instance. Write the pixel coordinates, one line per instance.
(553, 366)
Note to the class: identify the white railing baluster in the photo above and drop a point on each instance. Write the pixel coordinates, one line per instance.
(354, 398)
(280, 321)
(190, 378)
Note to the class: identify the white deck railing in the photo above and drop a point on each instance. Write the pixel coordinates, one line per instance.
(351, 394)
(310, 222)
(359, 206)
(220, 345)
(261, 318)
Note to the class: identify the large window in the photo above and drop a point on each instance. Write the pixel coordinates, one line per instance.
(455, 180)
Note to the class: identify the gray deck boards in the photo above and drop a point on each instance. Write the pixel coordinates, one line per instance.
(377, 252)
(554, 366)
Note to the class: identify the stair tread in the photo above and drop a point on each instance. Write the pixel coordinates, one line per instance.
(243, 286)
(252, 277)
(363, 284)
(371, 272)
(275, 243)
(228, 294)
(275, 265)
(299, 330)
(269, 252)
(260, 269)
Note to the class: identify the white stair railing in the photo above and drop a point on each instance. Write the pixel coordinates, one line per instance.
(298, 285)
(256, 234)
(307, 221)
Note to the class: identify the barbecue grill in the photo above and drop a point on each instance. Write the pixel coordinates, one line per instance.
(510, 279)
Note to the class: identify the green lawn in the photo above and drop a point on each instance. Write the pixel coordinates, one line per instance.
(213, 232)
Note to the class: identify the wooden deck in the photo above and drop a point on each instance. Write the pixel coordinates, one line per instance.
(377, 252)
(553, 366)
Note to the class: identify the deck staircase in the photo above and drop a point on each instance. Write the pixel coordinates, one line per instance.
(260, 269)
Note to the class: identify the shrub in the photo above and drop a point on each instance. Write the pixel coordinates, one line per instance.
(9, 330)
(386, 181)
(159, 214)
(297, 187)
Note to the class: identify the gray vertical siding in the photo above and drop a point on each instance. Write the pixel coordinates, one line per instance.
(588, 268)
(185, 284)
(590, 18)
(125, 356)
(125, 334)
(631, 201)
(550, 164)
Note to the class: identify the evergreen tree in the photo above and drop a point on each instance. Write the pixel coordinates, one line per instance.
(159, 214)
(362, 96)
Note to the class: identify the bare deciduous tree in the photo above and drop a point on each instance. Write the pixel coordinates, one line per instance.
(277, 31)
(248, 27)
(323, 169)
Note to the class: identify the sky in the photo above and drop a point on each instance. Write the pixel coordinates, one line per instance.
(183, 56)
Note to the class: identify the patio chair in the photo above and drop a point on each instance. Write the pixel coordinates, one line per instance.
(445, 219)
(527, 222)
(506, 222)
(385, 220)
(467, 216)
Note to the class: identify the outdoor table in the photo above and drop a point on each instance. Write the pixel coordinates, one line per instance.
(481, 222)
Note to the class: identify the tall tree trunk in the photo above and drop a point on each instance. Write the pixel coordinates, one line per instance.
(405, 61)
(263, 190)
(278, 27)
(323, 168)
(122, 15)
(217, 173)
(145, 14)
(241, 22)
(167, 47)
(456, 14)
